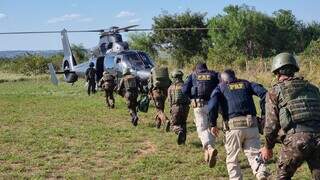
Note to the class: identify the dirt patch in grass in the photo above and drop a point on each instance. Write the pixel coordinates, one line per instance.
(147, 148)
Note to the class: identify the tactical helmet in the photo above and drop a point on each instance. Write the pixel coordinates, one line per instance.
(177, 74)
(284, 59)
(126, 71)
(105, 72)
(91, 64)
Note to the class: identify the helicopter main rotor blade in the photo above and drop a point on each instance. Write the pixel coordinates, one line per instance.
(126, 28)
(171, 29)
(51, 32)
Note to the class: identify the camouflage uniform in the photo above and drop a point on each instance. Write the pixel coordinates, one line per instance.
(292, 118)
(107, 83)
(159, 96)
(179, 109)
(90, 78)
(130, 94)
(297, 147)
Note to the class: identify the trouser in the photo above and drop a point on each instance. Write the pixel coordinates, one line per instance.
(248, 140)
(179, 115)
(159, 97)
(201, 120)
(296, 149)
(91, 87)
(132, 103)
(109, 98)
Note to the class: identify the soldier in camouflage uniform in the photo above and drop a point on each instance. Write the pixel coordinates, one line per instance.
(159, 96)
(179, 107)
(107, 83)
(129, 87)
(293, 118)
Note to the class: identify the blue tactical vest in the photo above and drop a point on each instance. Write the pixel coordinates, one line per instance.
(203, 84)
(238, 96)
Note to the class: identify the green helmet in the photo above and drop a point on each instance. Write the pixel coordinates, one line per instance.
(126, 71)
(177, 74)
(284, 59)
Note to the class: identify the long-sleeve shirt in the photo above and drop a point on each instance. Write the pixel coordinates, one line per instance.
(235, 99)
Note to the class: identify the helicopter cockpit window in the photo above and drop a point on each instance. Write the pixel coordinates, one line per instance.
(146, 59)
(135, 61)
(109, 62)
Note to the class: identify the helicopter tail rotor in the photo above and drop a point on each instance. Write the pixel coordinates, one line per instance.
(53, 76)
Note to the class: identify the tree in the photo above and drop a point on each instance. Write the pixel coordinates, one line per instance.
(80, 52)
(143, 42)
(242, 29)
(289, 32)
(181, 45)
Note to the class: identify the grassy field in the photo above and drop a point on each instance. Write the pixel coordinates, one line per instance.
(60, 132)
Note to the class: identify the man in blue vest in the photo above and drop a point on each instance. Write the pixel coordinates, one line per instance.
(235, 97)
(198, 88)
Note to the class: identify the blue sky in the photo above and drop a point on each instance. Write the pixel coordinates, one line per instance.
(39, 15)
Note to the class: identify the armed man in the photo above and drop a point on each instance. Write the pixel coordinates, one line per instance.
(107, 83)
(128, 88)
(235, 97)
(198, 88)
(158, 86)
(293, 118)
(179, 107)
(91, 78)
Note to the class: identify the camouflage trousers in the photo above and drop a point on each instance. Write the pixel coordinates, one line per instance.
(246, 139)
(132, 102)
(296, 149)
(159, 97)
(109, 98)
(179, 115)
(201, 120)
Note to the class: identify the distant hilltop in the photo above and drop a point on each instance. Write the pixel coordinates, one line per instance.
(13, 54)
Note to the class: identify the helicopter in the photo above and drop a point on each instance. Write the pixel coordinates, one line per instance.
(112, 54)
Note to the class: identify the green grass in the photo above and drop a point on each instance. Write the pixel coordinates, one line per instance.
(60, 132)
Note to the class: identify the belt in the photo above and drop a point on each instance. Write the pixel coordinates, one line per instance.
(243, 122)
(196, 103)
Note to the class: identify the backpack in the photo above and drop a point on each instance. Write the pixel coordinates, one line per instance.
(160, 77)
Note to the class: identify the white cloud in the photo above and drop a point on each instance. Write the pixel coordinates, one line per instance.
(123, 14)
(2, 16)
(135, 20)
(69, 17)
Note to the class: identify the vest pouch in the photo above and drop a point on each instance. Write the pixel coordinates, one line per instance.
(285, 119)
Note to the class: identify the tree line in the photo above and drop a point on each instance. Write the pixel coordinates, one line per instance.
(240, 32)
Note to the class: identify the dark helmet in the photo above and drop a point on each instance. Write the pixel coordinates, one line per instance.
(201, 67)
(177, 74)
(228, 75)
(285, 61)
(91, 64)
